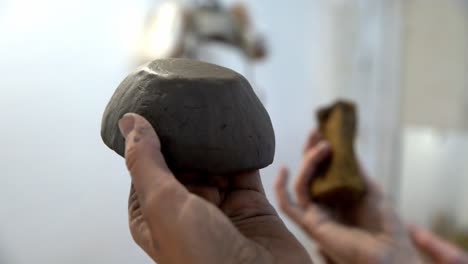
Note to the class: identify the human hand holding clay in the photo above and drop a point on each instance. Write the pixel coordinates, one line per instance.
(195, 218)
(193, 147)
(368, 232)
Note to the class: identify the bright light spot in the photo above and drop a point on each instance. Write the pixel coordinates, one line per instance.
(164, 32)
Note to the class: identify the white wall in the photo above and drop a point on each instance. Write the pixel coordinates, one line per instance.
(435, 80)
(64, 194)
(435, 169)
(434, 110)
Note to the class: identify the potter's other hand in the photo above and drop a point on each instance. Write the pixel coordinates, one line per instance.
(437, 249)
(373, 233)
(194, 218)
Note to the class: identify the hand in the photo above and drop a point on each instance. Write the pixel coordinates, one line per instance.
(210, 219)
(371, 232)
(437, 249)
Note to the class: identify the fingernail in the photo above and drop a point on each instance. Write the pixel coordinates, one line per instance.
(126, 124)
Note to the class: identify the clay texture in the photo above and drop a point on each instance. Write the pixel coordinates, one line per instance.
(207, 117)
(338, 181)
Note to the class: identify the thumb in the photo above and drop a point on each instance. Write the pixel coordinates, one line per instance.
(142, 149)
(151, 177)
(339, 242)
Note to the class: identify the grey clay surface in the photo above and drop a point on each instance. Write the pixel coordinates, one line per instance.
(207, 117)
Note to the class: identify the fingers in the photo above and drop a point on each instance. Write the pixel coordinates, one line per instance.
(313, 138)
(284, 202)
(438, 249)
(134, 210)
(249, 180)
(209, 193)
(312, 158)
(143, 156)
(310, 217)
(336, 240)
(152, 179)
(219, 181)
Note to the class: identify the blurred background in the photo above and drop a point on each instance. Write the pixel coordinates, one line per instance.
(63, 195)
